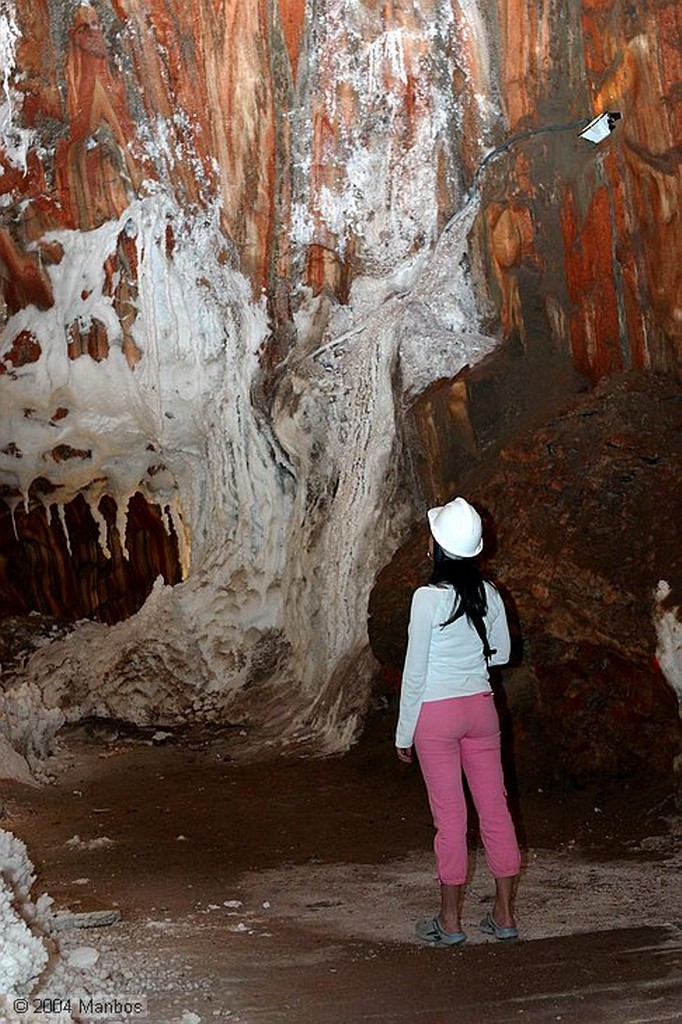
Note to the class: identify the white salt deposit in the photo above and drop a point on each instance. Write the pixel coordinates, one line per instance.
(15, 140)
(98, 843)
(83, 957)
(669, 633)
(24, 923)
(254, 533)
(29, 724)
(13, 765)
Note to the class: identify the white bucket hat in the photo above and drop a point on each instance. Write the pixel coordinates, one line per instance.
(457, 528)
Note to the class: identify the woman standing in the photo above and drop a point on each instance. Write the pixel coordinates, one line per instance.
(458, 627)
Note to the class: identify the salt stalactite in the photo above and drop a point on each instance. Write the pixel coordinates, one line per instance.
(61, 512)
(12, 504)
(102, 525)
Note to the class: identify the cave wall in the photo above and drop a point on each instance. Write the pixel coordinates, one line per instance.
(581, 517)
(595, 230)
(239, 241)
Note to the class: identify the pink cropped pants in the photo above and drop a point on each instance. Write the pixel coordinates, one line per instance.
(463, 734)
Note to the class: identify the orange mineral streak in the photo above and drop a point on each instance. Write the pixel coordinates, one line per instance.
(292, 19)
(471, 80)
(165, 47)
(96, 170)
(593, 319)
(510, 230)
(642, 82)
(627, 264)
(213, 95)
(323, 266)
(37, 58)
(669, 61)
(520, 73)
(243, 134)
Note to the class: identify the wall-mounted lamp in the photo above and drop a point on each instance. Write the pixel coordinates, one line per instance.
(600, 127)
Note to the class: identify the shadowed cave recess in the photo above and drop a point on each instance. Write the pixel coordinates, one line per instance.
(275, 279)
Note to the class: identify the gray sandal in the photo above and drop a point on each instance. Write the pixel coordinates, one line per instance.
(431, 932)
(489, 926)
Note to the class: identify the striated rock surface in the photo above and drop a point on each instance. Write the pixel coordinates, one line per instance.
(591, 234)
(239, 241)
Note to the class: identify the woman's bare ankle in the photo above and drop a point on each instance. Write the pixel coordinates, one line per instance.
(503, 916)
(449, 924)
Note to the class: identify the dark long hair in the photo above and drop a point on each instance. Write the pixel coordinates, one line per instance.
(467, 580)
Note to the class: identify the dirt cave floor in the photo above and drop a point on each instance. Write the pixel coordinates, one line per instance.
(287, 891)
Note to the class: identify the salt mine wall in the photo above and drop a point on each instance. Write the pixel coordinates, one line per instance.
(240, 243)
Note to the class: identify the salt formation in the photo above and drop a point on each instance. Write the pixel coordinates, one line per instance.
(669, 635)
(32, 962)
(285, 545)
(285, 510)
(12, 764)
(82, 956)
(24, 924)
(14, 140)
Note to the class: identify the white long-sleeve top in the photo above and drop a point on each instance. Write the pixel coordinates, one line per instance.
(449, 661)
